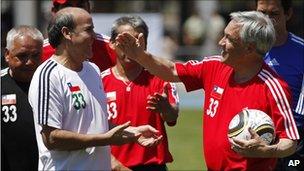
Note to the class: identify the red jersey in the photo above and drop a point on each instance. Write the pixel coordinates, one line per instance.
(103, 56)
(224, 98)
(127, 102)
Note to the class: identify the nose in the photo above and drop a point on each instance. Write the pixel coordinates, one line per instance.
(221, 41)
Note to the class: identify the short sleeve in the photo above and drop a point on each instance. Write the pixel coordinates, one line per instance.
(190, 74)
(279, 100)
(173, 97)
(55, 103)
(45, 96)
(172, 94)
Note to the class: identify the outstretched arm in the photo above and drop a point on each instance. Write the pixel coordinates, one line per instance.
(134, 49)
(58, 139)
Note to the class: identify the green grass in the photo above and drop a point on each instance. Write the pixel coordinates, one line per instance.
(185, 141)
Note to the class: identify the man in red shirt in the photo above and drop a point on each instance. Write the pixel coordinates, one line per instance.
(135, 95)
(237, 79)
(103, 56)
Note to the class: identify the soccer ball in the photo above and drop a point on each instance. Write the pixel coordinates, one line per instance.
(259, 121)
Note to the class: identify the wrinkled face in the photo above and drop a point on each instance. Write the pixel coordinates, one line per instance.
(232, 47)
(133, 32)
(82, 36)
(24, 58)
(275, 11)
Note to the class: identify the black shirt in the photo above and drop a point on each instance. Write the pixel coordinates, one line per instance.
(19, 149)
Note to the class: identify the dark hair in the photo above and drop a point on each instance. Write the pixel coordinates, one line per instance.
(55, 26)
(134, 21)
(286, 4)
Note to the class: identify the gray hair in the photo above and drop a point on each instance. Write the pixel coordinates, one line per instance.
(20, 31)
(135, 22)
(257, 28)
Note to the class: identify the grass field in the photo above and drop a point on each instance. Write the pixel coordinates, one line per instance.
(185, 142)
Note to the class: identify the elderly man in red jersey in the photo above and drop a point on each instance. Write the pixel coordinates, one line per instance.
(232, 81)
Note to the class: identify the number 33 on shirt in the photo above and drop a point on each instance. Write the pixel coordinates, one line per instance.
(9, 108)
(216, 95)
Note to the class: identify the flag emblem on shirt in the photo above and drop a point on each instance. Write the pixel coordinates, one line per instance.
(217, 92)
(73, 88)
(111, 96)
(8, 99)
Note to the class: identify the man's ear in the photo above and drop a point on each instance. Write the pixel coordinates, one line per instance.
(67, 34)
(6, 55)
(288, 14)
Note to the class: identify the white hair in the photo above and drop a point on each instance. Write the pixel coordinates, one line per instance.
(22, 31)
(257, 28)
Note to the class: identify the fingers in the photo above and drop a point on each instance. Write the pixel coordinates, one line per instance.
(246, 147)
(126, 40)
(152, 99)
(153, 102)
(129, 38)
(121, 42)
(150, 141)
(118, 130)
(244, 144)
(149, 136)
(151, 129)
(253, 133)
(125, 125)
(155, 98)
(166, 88)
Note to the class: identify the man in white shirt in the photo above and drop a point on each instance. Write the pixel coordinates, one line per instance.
(69, 103)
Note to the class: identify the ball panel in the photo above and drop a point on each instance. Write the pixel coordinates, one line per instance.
(237, 124)
(266, 133)
(255, 119)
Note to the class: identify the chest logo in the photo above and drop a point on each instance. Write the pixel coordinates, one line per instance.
(273, 62)
(217, 92)
(8, 99)
(111, 96)
(78, 98)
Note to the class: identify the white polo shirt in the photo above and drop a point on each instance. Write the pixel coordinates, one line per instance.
(73, 101)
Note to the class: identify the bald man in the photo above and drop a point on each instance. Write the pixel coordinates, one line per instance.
(69, 103)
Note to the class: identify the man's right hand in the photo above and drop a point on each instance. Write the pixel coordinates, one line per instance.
(131, 46)
(145, 135)
(119, 136)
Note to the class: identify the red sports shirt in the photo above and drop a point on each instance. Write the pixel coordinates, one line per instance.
(127, 102)
(103, 56)
(224, 98)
